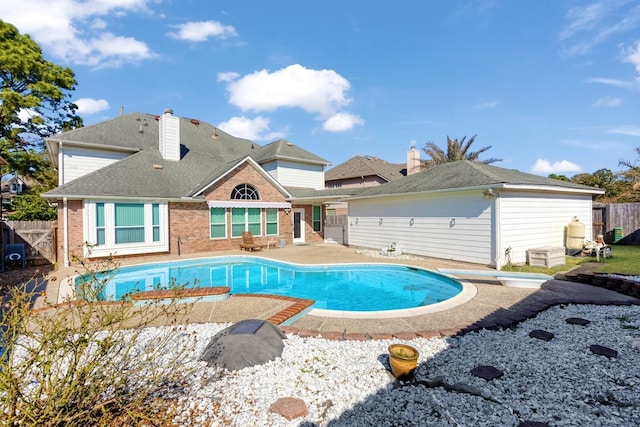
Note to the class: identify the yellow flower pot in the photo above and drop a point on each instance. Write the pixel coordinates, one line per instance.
(403, 359)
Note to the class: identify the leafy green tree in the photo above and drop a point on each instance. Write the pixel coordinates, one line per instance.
(456, 150)
(559, 177)
(32, 207)
(604, 179)
(34, 101)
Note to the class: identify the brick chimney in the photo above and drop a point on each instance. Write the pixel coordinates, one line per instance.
(413, 161)
(169, 136)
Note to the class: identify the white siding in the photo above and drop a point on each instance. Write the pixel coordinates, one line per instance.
(533, 220)
(290, 174)
(78, 162)
(448, 226)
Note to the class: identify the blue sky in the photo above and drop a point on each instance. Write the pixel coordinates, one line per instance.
(552, 86)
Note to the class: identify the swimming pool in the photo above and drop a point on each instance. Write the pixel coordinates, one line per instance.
(344, 287)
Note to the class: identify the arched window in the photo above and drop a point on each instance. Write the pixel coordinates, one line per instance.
(245, 192)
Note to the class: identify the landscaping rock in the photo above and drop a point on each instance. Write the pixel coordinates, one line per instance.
(541, 335)
(289, 407)
(243, 344)
(603, 351)
(577, 321)
(487, 372)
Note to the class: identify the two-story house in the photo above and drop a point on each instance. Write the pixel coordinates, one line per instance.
(141, 184)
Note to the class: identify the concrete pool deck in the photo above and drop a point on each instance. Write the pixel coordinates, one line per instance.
(493, 306)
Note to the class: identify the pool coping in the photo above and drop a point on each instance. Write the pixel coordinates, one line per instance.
(302, 306)
(466, 294)
(486, 311)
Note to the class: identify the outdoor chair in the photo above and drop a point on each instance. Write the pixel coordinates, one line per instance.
(14, 253)
(247, 242)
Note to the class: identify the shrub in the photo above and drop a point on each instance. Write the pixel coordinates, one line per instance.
(89, 362)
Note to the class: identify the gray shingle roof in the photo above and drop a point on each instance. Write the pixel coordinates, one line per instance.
(207, 152)
(466, 174)
(302, 193)
(359, 166)
(285, 150)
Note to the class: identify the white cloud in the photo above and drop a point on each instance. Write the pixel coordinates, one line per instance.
(201, 31)
(341, 122)
(543, 166)
(486, 105)
(257, 129)
(55, 27)
(607, 101)
(632, 55)
(228, 76)
(613, 82)
(88, 106)
(626, 130)
(594, 23)
(315, 91)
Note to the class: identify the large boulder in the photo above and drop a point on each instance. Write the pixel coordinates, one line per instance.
(243, 344)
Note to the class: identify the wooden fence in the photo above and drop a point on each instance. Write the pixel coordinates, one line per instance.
(622, 216)
(39, 238)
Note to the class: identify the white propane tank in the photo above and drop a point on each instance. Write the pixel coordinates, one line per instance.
(575, 234)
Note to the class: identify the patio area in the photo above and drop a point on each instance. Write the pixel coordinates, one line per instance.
(493, 306)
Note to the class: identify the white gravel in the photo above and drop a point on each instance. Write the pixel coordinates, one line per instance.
(347, 383)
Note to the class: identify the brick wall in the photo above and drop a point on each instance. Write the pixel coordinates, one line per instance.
(189, 221)
(74, 232)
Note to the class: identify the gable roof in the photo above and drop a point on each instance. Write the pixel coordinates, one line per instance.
(207, 153)
(285, 150)
(466, 174)
(360, 166)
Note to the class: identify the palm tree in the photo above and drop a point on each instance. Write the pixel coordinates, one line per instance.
(456, 150)
(632, 176)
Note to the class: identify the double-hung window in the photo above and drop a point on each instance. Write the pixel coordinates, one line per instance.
(245, 219)
(218, 220)
(271, 221)
(317, 218)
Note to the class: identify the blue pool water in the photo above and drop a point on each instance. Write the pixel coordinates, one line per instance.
(350, 287)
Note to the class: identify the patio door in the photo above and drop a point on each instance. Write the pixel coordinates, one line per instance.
(298, 226)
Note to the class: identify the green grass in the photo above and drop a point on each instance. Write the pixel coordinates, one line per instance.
(624, 260)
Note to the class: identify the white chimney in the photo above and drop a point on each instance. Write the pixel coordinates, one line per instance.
(169, 136)
(413, 161)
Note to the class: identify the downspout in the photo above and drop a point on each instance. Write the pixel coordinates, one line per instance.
(65, 211)
(65, 237)
(498, 234)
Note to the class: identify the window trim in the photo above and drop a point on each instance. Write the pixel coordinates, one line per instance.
(246, 224)
(224, 223)
(315, 220)
(267, 222)
(109, 247)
